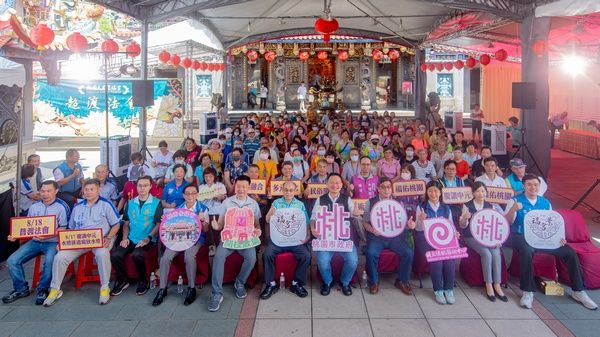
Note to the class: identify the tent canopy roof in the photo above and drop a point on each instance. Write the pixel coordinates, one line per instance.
(11, 73)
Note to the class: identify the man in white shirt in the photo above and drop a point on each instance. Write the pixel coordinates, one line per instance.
(263, 94)
(490, 178)
(161, 159)
(424, 168)
(301, 93)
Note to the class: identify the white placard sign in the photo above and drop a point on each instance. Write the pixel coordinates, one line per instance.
(489, 227)
(388, 217)
(544, 229)
(288, 227)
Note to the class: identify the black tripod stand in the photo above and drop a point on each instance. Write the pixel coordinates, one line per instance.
(523, 146)
(589, 190)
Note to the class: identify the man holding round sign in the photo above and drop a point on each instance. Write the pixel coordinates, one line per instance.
(385, 221)
(518, 209)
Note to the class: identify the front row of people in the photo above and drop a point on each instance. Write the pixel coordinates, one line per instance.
(143, 214)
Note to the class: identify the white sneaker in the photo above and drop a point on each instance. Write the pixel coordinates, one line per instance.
(53, 296)
(439, 297)
(583, 298)
(104, 295)
(527, 299)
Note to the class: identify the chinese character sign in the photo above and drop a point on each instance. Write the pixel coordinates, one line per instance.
(316, 190)
(441, 236)
(409, 188)
(277, 187)
(80, 239)
(359, 205)
(388, 217)
(288, 227)
(544, 229)
(456, 195)
(499, 195)
(489, 227)
(206, 192)
(258, 186)
(333, 229)
(239, 232)
(179, 229)
(28, 227)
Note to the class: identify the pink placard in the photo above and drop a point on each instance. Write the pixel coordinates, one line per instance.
(388, 217)
(441, 236)
(334, 231)
(239, 231)
(489, 227)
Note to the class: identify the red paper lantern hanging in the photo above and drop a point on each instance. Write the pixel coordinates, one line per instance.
(377, 55)
(501, 55)
(164, 56)
(211, 67)
(203, 66)
(110, 47)
(459, 64)
(343, 55)
(303, 55)
(484, 59)
(431, 66)
(195, 65)
(471, 63)
(322, 55)
(252, 55)
(326, 27)
(133, 50)
(540, 47)
(175, 60)
(423, 67)
(186, 63)
(77, 42)
(270, 56)
(41, 35)
(394, 54)
(448, 66)
(222, 68)
(439, 66)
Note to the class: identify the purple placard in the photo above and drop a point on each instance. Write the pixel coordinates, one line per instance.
(441, 236)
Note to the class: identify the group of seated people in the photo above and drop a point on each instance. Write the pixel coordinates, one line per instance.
(355, 157)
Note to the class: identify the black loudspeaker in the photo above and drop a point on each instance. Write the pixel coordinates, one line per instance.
(523, 95)
(143, 93)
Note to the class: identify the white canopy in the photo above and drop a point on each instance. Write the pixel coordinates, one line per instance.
(183, 31)
(568, 8)
(11, 73)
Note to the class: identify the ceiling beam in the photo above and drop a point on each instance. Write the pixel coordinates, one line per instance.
(125, 7)
(494, 23)
(507, 9)
(173, 8)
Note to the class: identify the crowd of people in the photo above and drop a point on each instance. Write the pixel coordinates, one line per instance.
(357, 157)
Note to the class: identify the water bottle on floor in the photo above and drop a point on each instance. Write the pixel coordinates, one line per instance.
(152, 280)
(180, 285)
(364, 279)
(282, 281)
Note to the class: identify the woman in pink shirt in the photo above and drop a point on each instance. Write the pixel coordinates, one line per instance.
(388, 166)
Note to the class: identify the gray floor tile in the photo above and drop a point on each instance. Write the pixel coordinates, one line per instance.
(6, 328)
(520, 328)
(215, 328)
(91, 312)
(407, 327)
(498, 309)
(282, 327)
(341, 328)
(46, 329)
(460, 327)
(5, 309)
(39, 313)
(103, 329)
(578, 311)
(336, 305)
(461, 309)
(137, 312)
(583, 328)
(285, 304)
(170, 328)
(392, 303)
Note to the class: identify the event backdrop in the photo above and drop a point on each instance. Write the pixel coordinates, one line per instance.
(75, 108)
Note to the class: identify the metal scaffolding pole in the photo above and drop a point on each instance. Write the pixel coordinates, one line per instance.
(144, 76)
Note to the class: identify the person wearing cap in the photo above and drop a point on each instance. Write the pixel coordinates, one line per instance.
(515, 179)
(215, 153)
(251, 143)
(372, 148)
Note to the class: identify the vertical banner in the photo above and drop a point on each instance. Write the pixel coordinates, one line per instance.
(489, 227)
(544, 229)
(239, 232)
(333, 229)
(388, 217)
(441, 236)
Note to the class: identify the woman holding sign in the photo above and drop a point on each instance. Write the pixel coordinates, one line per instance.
(491, 259)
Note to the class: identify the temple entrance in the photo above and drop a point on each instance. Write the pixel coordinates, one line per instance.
(322, 83)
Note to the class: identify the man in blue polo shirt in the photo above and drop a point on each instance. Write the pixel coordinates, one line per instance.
(91, 213)
(517, 209)
(49, 205)
(69, 176)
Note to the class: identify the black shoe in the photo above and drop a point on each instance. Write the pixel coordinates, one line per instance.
(491, 298)
(190, 296)
(502, 298)
(119, 287)
(160, 295)
(347, 290)
(142, 288)
(325, 289)
(15, 295)
(299, 290)
(268, 291)
(41, 296)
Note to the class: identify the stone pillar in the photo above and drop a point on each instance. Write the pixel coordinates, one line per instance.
(535, 69)
(420, 85)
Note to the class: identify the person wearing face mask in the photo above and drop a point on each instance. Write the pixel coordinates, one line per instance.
(385, 137)
(234, 169)
(321, 151)
(251, 143)
(314, 132)
(407, 172)
(238, 145)
(409, 155)
(373, 149)
(361, 137)
(179, 158)
(267, 168)
(332, 165)
(351, 167)
(322, 137)
(273, 152)
(344, 145)
(301, 169)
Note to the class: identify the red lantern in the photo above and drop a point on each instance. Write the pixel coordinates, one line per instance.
(203, 66)
(484, 59)
(431, 67)
(501, 55)
(211, 67)
(164, 56)
(393, 54)
(175, 60)
(439, 66)
(303, 55)
(186, 63)
(222, 68)
(459, 64)
(326, 27)
(270, 56)
(77, 42)
(133, 50)
(471, 63)
(448, 66)
(377, 55)
(322, 55)
(423, 67)
(195, 65)
(252, 55)
(41, 35)
(343, 55)
(110, 47)
(540, 47)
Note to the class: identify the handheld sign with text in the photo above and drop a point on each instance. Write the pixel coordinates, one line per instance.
(30, 226)
(206, 192)
(489, 227)
(388, 217)
(544, 229)
(316, 190)
(499, 195)
(180, 229)
(333, 229)
(80, 239)
(239, 232)
(277, 187)
(359, 205)
(288, 227)
(258, 187)
(441, 236)
(409, 188)
(456, 195)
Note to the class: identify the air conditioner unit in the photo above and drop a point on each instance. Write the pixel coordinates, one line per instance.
(207, 126)
(119, 151)
(494, 136)
(453, 121)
